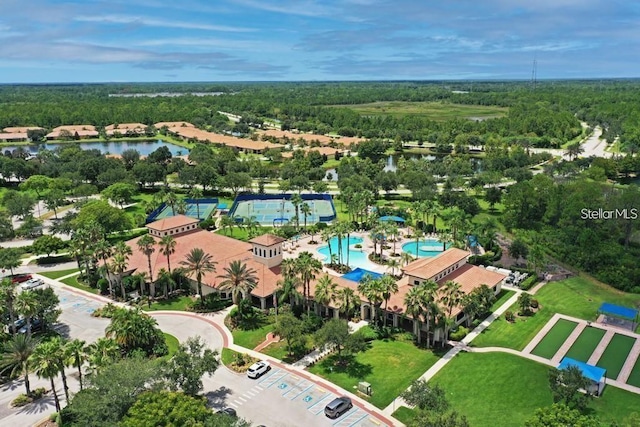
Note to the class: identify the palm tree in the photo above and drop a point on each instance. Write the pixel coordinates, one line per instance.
(198, 263)
(146, 245)
(306, 211)
(168, 248)
(104, 250)
(393, 263)
(196, 194)
(172, 199)
(287, 290)
(406, 258)
(238, 279)
(181, 206)
(8, 299)
(414, 302)
(451, 296)
(76, 352)
(307, 267)
(347, 300)
(389, 287)
(418, 234)
(60, 345)
(296, 200)
(326, 235)
(27, 305)
(371, 289)
(46, 364)
(120, 263)
(574, 150)
(16, 357)
(325, 292)
(227, 223)
(166, 282)
(102, 353)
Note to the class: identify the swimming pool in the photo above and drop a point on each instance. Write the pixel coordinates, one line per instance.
(357, 257)
(426, 247)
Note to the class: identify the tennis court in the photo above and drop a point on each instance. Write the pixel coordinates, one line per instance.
(586, 343)
(616, 354)
(278, 212)
(201, 210)
(551, 343)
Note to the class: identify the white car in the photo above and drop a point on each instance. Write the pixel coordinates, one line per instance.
(30, 284)
(258, 369)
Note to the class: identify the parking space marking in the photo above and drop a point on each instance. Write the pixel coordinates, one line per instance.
(300, 389)
(318, 407)
(370, 422)
(350, 418)
(312, 396)
(242, 399)
(233, 404)
(273, 378)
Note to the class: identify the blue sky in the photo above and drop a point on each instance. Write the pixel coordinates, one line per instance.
(240, 40)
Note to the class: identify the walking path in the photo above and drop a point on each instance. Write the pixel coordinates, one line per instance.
(630, 362)
(566, 345)
(602, 346)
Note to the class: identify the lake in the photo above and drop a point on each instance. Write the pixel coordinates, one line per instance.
(108, 147)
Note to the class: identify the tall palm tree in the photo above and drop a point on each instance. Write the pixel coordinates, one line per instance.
(46, 364)
(392, 264)
(120, 263)
(306, 211)
(406, 258)
(413, 300)
(227, 223)
(198, 263)
(347, 300)
(296, 201)
(171, 199)
(146, 245)
(27, 305)
(103, 250)
(326, 235)
(450, 295)
(325, 292)
(389, 287)
(307, 267)
(287, 290)
(101, 353)
(16, 357)
(8, 298)
(166, 282)
(60, 345)
(168, 248)
(196, 194)
(238, 279)
(371, 289)
(76, 353)
(181, 206)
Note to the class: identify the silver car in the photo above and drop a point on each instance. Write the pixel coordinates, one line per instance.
(30, 284)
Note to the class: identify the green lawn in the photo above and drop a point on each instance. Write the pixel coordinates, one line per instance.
(501, 298)
(578, 297)
(499, 389)
(585, 344)
(438, 111)
(551, 343)
(615, 355)
(404, 414)
(388, 365)
(634, 377)
(240, 233)
(279, 351)
(176, 304)
(172, 343)
(59, 273)
(252, 337)
(73, 281)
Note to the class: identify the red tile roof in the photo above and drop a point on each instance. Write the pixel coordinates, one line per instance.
(426, 268)
(21, 129)
(267, 240)
(171, 222)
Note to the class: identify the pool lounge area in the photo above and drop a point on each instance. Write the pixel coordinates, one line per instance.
(357, 258)
(425, 247)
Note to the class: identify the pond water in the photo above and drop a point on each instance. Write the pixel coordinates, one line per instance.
(108, 147)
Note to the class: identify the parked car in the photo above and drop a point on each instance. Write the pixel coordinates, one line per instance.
(31, 283)
(258, 369)
(19, 278)
(36, 326)
(338, 406)
(228, 411)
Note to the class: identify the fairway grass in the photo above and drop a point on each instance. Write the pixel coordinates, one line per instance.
(616, 354)
(551, 343)
(437, 111)
(586, 343)
(577, 297)
(634, 377)
(500, 389)
(388, 365)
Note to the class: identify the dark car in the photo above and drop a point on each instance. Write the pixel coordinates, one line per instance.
(36, 326)
(19, 278)
(228, 411)
(338, 406)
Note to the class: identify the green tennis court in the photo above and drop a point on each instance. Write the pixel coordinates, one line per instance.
(616, 354)
(270, 211)
(551, 343)
(583, 347)
(200, 210)
(634, 378)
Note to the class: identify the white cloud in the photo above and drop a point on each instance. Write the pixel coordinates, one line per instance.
(151, 22)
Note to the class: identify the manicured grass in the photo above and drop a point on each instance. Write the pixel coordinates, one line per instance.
(240, 233)
(586, 343)
(616, 354)
(172, 343)
(73, 281)
(227, 356)
(388, 365)
(578, 297)
(634, 377)
(404, 414)
(554, 339)
(432, 110)
(252, 337)
(279, 351)
(499, 389)
(177, 304)
(59, 273)
(502, 297)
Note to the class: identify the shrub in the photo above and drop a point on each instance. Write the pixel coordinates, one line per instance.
(21, 400)
(358, 246)
(459, 334)
(103, 285)
(509, 316)
(311, 322)
(106, 311)
(534, 303)
(38, 393)
(368, 333)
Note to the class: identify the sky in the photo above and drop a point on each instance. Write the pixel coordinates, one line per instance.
(48, 41)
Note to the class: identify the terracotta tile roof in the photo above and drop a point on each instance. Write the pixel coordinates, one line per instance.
(267, 240)
(426, 268)
(125, 126)
(20, 129)
(470, 277)
(173, 124)
(74, 128)
(217, 138)
(9, 136)
(171, 222)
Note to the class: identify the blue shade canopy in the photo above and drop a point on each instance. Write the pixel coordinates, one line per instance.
(391, 218)
(618, 310)
(356, 275)
(591, 372)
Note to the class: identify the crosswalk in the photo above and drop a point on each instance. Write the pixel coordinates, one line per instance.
(246, 396)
